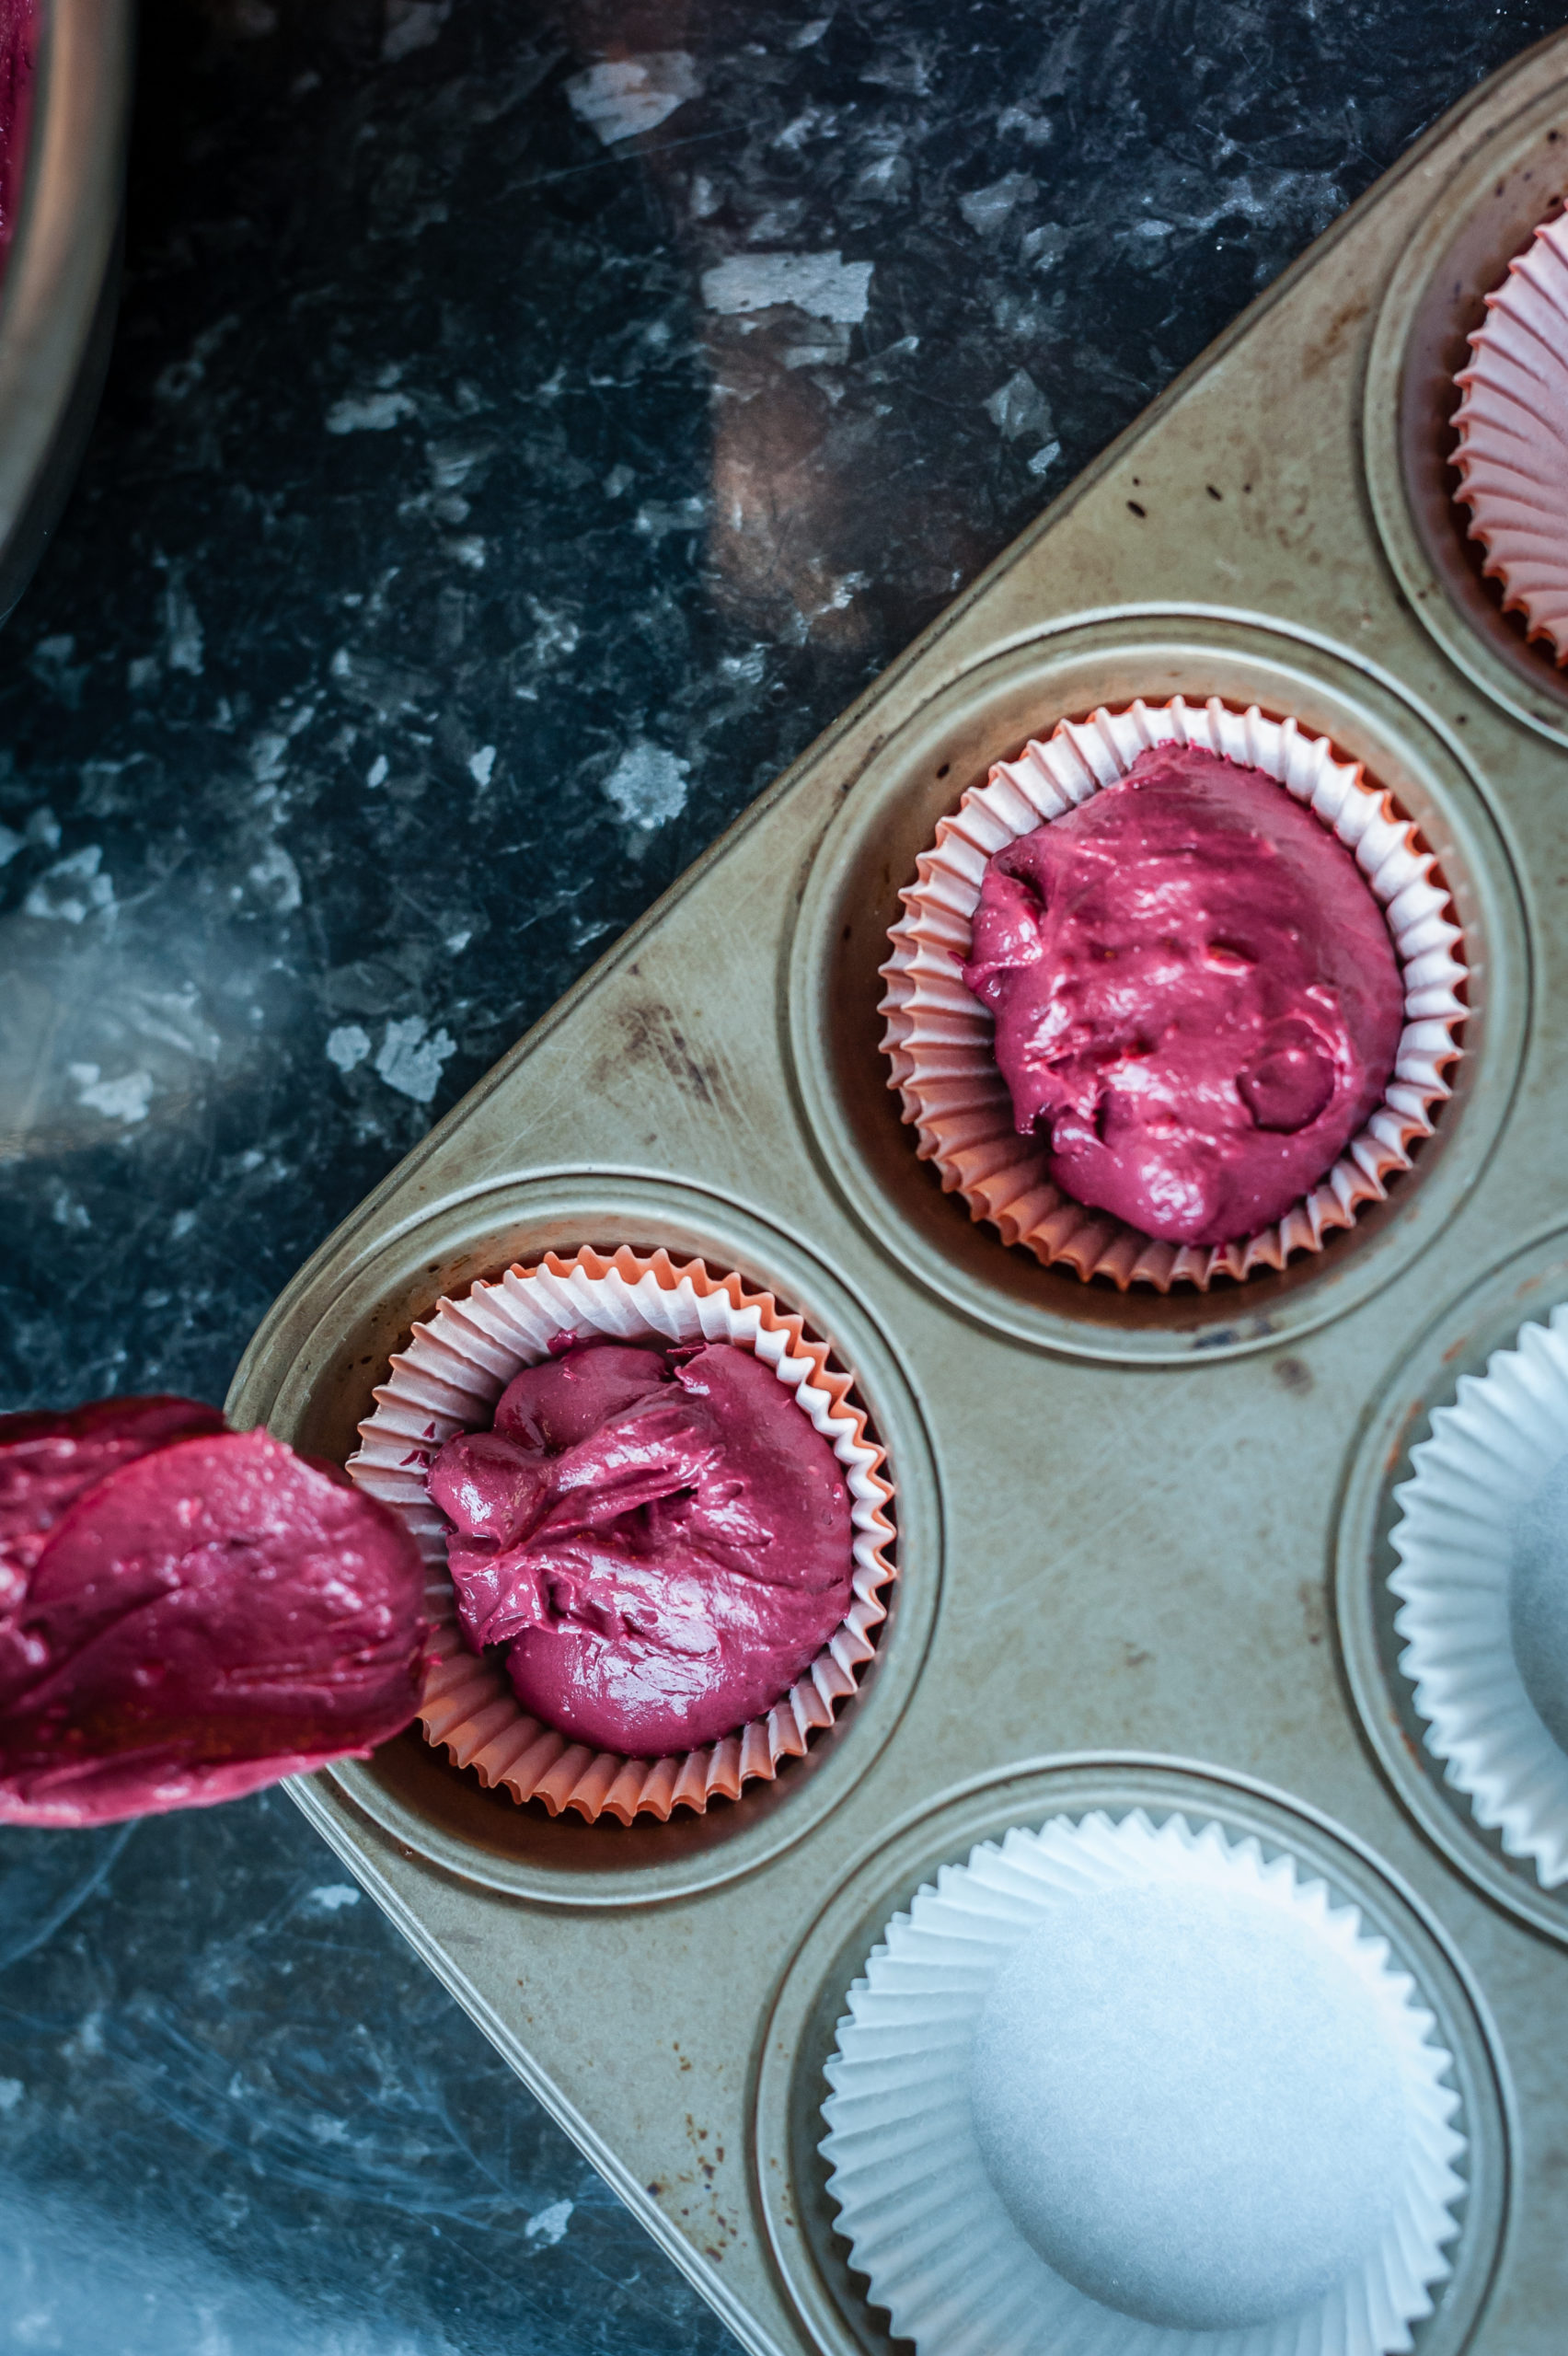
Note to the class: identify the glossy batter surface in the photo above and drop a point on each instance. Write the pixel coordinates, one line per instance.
(47, 1461)
(202, 1621)
(1196, 995)
(661, 1539)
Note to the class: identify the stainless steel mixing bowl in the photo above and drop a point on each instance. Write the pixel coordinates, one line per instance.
(58, 297)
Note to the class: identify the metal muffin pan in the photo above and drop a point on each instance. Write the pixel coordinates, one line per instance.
(407, 1787)
(1119, 1517)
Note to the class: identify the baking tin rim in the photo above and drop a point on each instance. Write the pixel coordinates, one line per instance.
(1343, 1277)
(1391, 1425)
(916, 1844)
(779, 1814)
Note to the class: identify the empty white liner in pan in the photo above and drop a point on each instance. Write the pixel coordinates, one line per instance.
(1111, 2089)
(1482, 1543)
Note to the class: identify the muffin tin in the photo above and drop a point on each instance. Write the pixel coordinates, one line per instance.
(1143, 1539)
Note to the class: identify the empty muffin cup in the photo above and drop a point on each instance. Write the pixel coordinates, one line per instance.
(939, 1040)
(1483, 1542)
(1110, 2089)
(449, 1379)
(1513, 429)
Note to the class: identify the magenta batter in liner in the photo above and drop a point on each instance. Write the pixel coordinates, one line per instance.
(1174, 995)
(660, 1539)
(1195, 995)
(709, 1665)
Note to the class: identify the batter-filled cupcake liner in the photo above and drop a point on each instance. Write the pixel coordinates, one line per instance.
(1479, 1567)
(1513, 429)
(938, 1036)
(449, 1379)
(925, 2222)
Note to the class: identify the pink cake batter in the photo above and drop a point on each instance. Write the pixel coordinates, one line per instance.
(46, 1461)
(19, 33)
(197, 1617)
(660, 1538)
(1195, 993)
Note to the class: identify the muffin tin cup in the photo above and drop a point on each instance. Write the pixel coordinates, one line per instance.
(456, 1365)
(1187, 1818)
(1315, 713)
(938, 1036)
(904, 2146)
(409, 1793)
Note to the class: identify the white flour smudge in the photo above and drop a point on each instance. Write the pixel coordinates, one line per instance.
(633, 94)
(547, 2225)
(347, 1046)
(368, 412)
(409, 1062)
(126, 1099)
(73, 889)
(825, 286)
(647, 785)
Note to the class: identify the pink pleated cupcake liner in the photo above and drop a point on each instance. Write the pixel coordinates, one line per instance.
(448, 1379)
(1513, 429)
(938, 1036)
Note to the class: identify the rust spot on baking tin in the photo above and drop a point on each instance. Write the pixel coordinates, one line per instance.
(1139, 512)
(650, 1030)
(1320, 355)
(1314, 1612)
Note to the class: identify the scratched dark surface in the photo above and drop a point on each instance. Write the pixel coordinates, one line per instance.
(528, 425)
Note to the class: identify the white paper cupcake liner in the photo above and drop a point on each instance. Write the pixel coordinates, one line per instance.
(938, 1036)
(1463, 1513)
(925, 2222)
(1513, 429)
(448, 1379)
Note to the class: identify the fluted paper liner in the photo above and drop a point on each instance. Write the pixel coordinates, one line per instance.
(449, 1380)
(1513, 429)
(927, 2226)
(1484, 1462)
(938, 1036)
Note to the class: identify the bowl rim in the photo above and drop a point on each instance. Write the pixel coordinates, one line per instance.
(66, 235)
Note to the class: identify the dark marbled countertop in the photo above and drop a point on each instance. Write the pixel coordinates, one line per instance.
(527, 427)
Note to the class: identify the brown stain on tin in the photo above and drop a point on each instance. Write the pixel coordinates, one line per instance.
(650, 1033)
(1332, 342)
